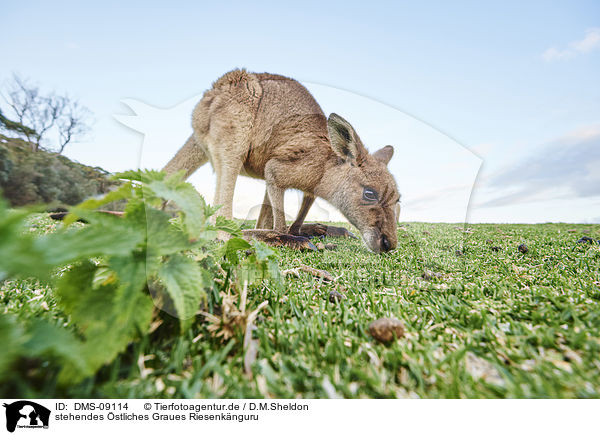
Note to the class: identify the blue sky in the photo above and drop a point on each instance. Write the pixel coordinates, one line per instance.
(515, 82)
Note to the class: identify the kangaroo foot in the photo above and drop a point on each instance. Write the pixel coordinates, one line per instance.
(320, 230)
(274, 238)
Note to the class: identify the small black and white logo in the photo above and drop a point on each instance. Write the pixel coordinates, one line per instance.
(25, 414)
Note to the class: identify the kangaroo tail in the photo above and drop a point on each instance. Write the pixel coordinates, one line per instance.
(189, 158)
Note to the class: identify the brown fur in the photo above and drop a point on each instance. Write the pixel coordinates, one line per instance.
(270, 127)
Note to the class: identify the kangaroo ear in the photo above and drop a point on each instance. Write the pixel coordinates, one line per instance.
(384, 154)
(344, 140)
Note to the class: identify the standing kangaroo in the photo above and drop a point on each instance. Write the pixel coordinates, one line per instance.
(270, 127)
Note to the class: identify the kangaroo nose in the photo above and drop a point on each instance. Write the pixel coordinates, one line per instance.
(385, 244)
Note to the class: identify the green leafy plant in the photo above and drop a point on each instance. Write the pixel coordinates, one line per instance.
(115, 271)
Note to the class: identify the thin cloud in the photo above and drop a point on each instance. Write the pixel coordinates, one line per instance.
(565, 168)
(590, 42)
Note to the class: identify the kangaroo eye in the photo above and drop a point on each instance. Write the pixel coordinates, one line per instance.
(369, 194)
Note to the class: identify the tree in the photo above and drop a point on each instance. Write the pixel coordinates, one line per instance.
(42, 115)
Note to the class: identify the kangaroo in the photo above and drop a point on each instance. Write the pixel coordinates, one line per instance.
(270, 127)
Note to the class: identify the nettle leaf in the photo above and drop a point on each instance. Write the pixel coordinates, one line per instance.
(232, 247)
(123, 192)
(263, 252)
(49, 340)
(111, 334)
(12, 341)
(135, 212)
(131, 175)
(211, 209)
(110, 315)
(262, 264)
(228, 226)
(184, 283)
(164, 237)
(157, 188)
(145, 176)
(18, 255)
(188, 199)
(114, 236)
(69, 287)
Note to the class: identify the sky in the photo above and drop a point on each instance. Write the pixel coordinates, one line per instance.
(493, 107)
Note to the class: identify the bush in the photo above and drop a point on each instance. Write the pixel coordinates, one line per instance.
(34, 177)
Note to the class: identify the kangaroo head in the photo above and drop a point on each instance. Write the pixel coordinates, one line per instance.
(361, 186)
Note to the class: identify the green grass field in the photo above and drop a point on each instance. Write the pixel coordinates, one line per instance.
(482, 320)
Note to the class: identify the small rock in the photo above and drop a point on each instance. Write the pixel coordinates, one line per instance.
(426, 233)
(572, 230)
(320, 246)
(386, 329)
(330, 246)
(495, 248)
(488, 241)
(335, 297)
(523, 248)
(586, 231)
(585, 239)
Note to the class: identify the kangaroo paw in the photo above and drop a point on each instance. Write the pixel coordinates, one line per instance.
(309, 230)
(320, 230)
(274, 238)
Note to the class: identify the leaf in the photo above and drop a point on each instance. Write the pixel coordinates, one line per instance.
(123, 192)
(163, 238)
(232, 247)
(23, 255)
(145, 176)
(119, 238)
(263, 251)
(187, 198)
(18, 257)
(132, 175)
(228, 226)
(49, 340)
(184, 283)
(69, 286)
(12, 340)
(109, 316)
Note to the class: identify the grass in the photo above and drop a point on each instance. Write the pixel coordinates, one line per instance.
(487, 321)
